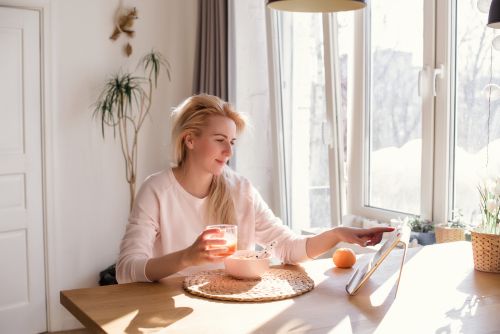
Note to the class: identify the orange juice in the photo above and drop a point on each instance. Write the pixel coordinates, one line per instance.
(227, 232)
(228, 249)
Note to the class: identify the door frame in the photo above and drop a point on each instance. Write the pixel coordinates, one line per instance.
(46, 122)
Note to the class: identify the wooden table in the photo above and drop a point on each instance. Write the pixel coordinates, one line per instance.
(439, 292)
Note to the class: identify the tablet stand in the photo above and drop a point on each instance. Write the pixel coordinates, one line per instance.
(405, 249)
(361, 275)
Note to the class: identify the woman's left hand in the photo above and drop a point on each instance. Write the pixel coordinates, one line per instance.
(319, 244)
(361, 236)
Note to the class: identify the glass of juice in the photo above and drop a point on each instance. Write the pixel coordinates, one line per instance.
(230, 234)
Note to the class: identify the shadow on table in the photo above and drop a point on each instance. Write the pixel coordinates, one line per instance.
(375, 298)
(329, 309)
(475, 305)
(153, 308)
(146, 321)
(126, 308)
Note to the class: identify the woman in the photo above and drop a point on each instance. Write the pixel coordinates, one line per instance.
(166, 232)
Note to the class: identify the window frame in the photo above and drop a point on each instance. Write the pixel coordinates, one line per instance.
(444, 116)
(435, 132)
(437, 122)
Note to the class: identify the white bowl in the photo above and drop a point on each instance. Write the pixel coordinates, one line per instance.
(242, 264)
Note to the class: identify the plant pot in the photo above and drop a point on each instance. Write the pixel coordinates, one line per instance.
(449, 234)
(423, 238)
(486, 252)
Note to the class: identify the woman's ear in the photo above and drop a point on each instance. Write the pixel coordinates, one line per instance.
(189, 141)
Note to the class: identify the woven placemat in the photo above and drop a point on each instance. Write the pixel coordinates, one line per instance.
(275, 284)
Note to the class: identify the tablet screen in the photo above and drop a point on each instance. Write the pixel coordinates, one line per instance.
(401, 234)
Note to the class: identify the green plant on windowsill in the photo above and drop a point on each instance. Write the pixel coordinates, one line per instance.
(486, 237)
(421, 229)
(489, 193)
(458, 220)
(417, 224)
(454, 230)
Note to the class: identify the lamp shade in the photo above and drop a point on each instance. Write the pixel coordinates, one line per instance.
(316, 6)
(494, 15)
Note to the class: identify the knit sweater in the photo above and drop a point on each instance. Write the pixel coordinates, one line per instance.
(166, 218)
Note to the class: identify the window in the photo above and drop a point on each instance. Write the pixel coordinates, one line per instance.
(476, 67)
(393, 138)
(394, 106)
(407, 123)
(309, 125)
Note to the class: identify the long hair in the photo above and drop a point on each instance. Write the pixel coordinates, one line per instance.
(190, 117)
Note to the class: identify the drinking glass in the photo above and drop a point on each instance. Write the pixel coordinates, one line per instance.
(227, 232)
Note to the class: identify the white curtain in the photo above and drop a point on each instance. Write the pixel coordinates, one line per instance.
(249, 91)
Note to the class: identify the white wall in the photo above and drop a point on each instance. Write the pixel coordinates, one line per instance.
(86, 192)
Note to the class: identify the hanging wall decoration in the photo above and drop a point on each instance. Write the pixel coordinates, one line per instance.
(124, 21)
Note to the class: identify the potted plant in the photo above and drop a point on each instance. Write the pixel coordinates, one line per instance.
(453, 230)
(124, 104)
(421, 229)
(486, 237)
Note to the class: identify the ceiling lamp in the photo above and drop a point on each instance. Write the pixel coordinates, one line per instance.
(317, 6)
(494, 16)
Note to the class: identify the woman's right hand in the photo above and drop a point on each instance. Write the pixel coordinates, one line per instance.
(205, 249)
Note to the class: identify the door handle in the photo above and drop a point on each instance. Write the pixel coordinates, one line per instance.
(423, 87)
(438, 72)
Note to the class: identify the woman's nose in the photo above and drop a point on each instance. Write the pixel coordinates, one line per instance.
(228, 150)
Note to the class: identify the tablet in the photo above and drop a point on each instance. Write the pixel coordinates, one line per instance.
(400, 236)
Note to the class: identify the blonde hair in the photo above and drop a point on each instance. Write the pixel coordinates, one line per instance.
(190, 117)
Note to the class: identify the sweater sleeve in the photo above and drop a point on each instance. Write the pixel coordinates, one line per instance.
(137, 244)
(290, 247)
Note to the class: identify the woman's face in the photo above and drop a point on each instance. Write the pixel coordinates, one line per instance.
(211, 150)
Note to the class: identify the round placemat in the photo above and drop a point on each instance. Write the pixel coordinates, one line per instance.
(275, 284)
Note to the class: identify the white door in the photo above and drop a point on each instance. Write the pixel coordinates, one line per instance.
(22, 274)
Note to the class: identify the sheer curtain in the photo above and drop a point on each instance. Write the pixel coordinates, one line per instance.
(249, 91)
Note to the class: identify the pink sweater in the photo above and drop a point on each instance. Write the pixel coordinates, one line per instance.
(166, 218)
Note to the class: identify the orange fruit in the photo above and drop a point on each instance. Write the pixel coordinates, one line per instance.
(344, 258)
